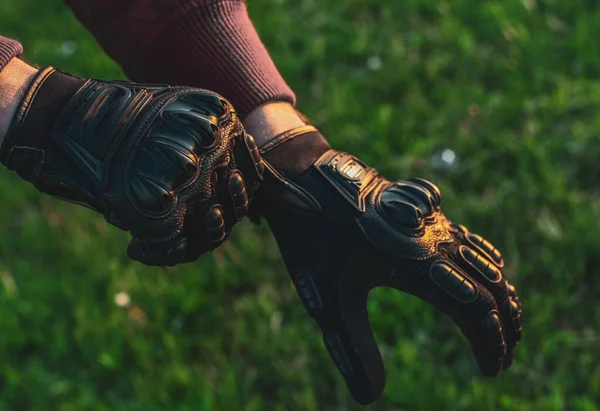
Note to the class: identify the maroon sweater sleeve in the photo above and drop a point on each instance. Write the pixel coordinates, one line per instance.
(210, 44)
(9, 49)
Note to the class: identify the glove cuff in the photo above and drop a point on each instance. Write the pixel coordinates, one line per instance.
(294, 151)
(287, 135)
(30, 130)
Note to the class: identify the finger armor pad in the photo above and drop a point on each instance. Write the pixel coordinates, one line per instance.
(453, 282)
(238, 193)
(486, 248)
(493, 329)
(482, 265)
(337, 352)
(215, 226)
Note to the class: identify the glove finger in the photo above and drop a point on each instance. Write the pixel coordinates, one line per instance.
(205, 227)
(483, 246)
(488, 342)
(468, 303)
(367, 379)
(483, 271)
(238, 195)
(512, 320)
(167, 253)
(204, 231)
(483, 261)
(512, 292)
(348, 337)
(486, 273)
(249, 160)
(341, 312)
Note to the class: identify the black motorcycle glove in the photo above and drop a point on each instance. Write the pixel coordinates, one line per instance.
(343, 229)
(172, 165)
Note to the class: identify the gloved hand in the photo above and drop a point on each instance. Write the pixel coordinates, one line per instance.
(172, 165)
(343, 229)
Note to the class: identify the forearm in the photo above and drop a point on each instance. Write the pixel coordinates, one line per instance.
(211, 44)
(14, 81)
(9, 49)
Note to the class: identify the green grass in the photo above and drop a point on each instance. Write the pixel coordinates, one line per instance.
(391, 81)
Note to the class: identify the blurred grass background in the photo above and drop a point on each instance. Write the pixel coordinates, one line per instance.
(498, 102)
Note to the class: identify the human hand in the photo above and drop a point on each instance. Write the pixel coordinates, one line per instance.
(343, 229)
(171, 165)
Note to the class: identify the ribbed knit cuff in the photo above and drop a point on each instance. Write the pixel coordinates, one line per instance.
(9, 49)
(213, 46)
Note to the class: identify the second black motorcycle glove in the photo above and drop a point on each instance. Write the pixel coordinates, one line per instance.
(343, 229)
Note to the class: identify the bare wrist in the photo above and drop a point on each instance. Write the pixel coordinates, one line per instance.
(15, 79)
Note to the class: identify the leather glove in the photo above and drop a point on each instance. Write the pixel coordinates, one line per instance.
(343, 229)
(172, 165)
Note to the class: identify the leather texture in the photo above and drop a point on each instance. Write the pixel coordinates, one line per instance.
(343, 229)
(172, 165)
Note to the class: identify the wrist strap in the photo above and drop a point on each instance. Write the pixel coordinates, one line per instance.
(286, 136)
(23, 109)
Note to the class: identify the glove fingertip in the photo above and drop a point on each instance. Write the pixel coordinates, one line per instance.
(510, 358)
(158, 254)
(177, 252)
(491, 368)
(136, 251)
